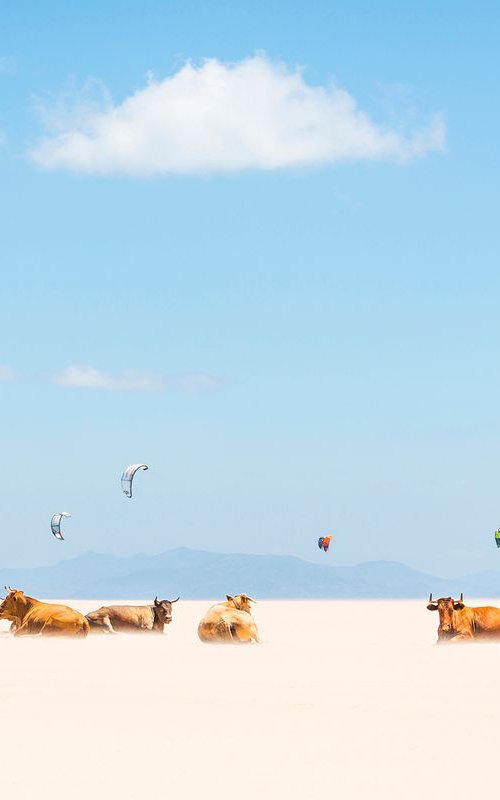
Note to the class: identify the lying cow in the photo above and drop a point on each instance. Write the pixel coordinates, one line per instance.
(459, 623)
(231, 621)
(31, 617)
(132, 619)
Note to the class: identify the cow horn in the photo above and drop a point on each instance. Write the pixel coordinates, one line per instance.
(461, 597)
(430, 598)
(175, 601)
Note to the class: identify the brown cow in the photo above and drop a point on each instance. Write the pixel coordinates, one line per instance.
(229, 622)
(30, 616)
(132, 619)
(460, 623)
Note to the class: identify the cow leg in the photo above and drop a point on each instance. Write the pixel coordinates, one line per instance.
(24, 630)
(107, 626)
(462, 637)
(100, 624)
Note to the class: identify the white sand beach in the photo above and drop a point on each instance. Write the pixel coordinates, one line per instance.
(342, 699)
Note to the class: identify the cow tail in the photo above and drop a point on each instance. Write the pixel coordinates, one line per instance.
(233, 628)
(225, 630)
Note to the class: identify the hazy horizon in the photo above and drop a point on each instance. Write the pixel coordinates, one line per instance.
(327, 562)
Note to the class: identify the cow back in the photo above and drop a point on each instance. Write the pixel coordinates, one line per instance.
(53, 618)
(486, 621)
(126, 618)
(224, 623)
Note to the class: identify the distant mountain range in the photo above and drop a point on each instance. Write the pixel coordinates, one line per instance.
(198, 574)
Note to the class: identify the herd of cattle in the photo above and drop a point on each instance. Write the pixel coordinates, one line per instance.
(229, 621)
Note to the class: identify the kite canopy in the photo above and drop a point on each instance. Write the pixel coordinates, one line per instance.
(55, 524)
(497, 537)
(324, 543)
(128, 477)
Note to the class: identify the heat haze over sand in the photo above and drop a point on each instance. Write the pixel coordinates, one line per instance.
(343, 698)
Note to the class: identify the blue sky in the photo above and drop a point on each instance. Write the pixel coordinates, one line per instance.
(293, 348)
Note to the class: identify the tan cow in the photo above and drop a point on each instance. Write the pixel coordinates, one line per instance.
(459, 623)
(132, 619)
(31, 617)
(229, 622)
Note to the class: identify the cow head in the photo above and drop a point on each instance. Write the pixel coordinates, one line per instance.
(163, 611)
(446, 606)
(241, 602)
(13, 605)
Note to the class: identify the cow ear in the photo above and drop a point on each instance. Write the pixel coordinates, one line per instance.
(231, 599)
(458, 606)
(432, 607)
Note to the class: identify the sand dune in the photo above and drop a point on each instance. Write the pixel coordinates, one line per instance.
(343, 698)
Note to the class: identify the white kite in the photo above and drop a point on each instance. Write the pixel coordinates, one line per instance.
(128, 477)
(55, 524)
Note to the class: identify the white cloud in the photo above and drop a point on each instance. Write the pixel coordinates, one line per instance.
(217, 117)
(85, 377)
(8, 374)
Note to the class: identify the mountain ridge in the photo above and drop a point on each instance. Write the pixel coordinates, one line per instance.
(200, 574)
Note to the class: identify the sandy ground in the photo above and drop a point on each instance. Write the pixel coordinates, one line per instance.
(347, 699)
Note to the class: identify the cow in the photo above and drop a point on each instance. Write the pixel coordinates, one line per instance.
(461, 623)
(229, 622)
(32, 617)
(132, 619)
